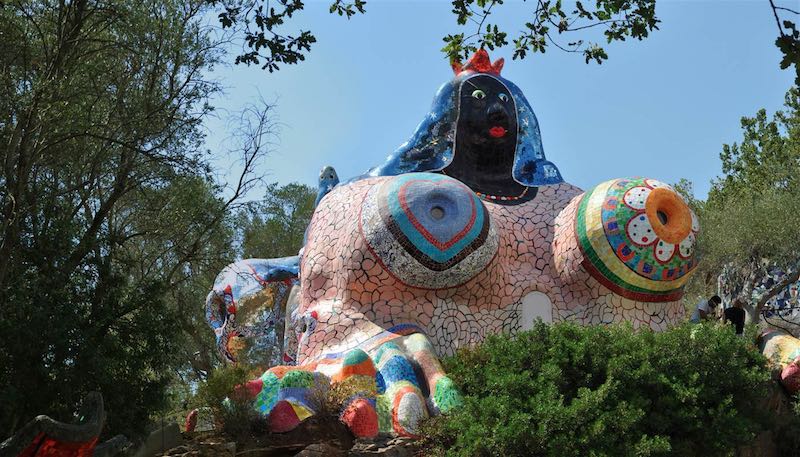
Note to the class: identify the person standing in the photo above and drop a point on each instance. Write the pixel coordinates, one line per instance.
(735, 315)
(704, 309)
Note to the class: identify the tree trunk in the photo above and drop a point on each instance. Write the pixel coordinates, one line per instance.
(754, 309)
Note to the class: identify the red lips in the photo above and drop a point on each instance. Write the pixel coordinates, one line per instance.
(497, 132)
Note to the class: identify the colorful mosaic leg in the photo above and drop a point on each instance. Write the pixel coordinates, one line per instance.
(287, 395)
(357, 380)
(444, 396)
(783, 351)
(401, 404)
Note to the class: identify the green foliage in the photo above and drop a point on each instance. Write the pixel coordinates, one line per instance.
(233, 410)
(753, 208)
(110, 227)
(275, 226)
(767, 156)
(259, 22)
(619, 19)
(788, 41)
(789, 430)
(564, 390)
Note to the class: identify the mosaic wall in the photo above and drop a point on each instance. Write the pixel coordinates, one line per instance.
(781, 310)
(466, 230)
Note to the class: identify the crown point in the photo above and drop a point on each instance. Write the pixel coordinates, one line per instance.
(479, 63)
(497, 66)
(456, 65)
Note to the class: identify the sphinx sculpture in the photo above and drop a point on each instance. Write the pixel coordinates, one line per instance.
(46, 437)
(466, 230)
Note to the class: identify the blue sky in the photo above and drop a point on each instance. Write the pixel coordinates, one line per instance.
(661, 107)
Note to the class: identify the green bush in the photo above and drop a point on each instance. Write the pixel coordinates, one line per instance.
(234, 411)
(569, 390)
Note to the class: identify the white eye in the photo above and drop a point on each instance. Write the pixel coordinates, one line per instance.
(479, 94)
(503, 97)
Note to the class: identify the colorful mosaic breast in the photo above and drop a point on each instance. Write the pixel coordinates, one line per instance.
(429, 230)
(637, 236)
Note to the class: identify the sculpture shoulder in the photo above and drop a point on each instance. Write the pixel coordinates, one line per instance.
(346, 191)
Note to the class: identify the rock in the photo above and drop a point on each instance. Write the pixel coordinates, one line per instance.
(160, 440)
(385, 446)
(203, 450)
(205, 420)
(321, 450)
(217, 449)
(177, 450)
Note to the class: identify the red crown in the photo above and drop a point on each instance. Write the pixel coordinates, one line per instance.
(479, 63)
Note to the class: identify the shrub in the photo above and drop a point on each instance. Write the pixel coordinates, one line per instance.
(234, 411)
(569, 390)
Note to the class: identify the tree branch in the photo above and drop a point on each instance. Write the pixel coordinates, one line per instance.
(777, 288)
(777, 19)
(786, 9)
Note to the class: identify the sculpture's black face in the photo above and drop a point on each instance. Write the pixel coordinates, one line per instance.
(486, 138)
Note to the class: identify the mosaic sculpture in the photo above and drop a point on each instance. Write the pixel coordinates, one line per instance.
(466, 230)
(45, 437)
(781, 310)
(783, 352)
(245, 309)
(328, 179)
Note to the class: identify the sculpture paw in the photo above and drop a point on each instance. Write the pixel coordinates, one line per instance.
(288, 395)
(392, 391)
(443, 392)
(356, 382)
(411, 384)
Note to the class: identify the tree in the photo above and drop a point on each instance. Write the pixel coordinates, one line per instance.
(788, 40)
(752, 216)
(548, 23)
(110, 222)
(619, 19)
(259, 23)
(275, 226)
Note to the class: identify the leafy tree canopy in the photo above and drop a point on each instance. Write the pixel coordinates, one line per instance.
(111, 227)
(275, 226)
(550, 23)
(751, 218)
(788, 40)
(261, 24)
